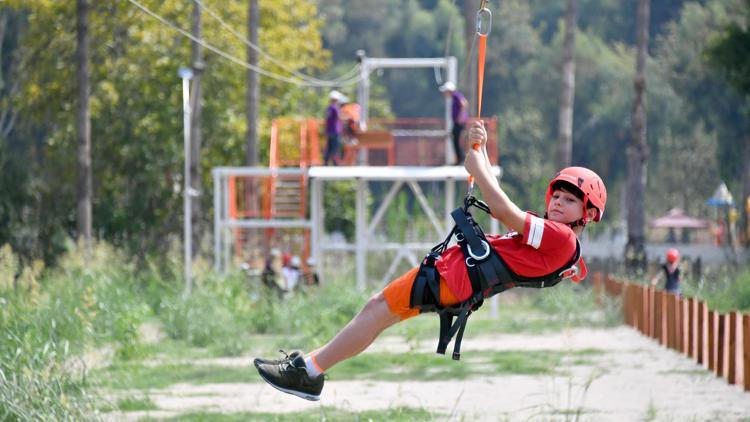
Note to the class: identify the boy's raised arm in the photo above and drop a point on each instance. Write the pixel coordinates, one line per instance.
(478, 165)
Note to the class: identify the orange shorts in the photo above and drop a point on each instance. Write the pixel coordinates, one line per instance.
(398, 294)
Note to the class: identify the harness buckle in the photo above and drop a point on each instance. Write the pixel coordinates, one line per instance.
(484, 255)
(571, 272)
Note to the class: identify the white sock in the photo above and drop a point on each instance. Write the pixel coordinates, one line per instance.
(312, 368)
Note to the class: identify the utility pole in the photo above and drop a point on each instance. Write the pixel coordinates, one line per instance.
(187, 74)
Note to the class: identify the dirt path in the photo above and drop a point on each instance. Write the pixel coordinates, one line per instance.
(634, 379)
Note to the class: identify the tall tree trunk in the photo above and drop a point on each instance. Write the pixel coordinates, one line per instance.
(745, 200)
(83, 128)
(635, 253)
(567, 92)
(470, 8)
(7, 115)
(195, 131)
(253, 88)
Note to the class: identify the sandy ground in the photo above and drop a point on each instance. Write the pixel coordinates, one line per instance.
(634, 380)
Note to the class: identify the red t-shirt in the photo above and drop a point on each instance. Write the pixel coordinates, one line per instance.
(544, 247)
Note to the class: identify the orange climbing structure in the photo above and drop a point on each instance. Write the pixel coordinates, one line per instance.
(295, 144)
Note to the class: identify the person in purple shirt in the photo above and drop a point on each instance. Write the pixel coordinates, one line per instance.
(459, 114)
(333, 127)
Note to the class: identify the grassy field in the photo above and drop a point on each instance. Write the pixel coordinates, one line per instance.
(55, 319)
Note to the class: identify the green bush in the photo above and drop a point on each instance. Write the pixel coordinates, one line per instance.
(220, 311)
(574, 305)
(322, 312)
(725, 290)
(49, 318)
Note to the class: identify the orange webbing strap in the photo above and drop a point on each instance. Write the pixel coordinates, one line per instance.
(480, 72)
(481, 53)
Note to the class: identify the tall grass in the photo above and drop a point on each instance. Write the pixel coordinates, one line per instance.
(224, 308)
(723, 289)
(49, 317)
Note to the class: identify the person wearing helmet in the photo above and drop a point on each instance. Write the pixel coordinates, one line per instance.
(535, 248)
(291, 272)
(333, 127)
(459, 115)
(670, 271)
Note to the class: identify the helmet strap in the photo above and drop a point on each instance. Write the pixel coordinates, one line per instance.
(581, 222)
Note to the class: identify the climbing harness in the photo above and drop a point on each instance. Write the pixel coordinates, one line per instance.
(488, 273)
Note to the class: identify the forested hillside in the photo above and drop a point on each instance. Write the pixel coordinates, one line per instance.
(697, 121)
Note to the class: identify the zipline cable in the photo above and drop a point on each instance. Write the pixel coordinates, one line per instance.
(234, 59)
(341, 79)
(446, 50)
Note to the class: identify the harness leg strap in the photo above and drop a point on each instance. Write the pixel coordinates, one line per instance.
(457, 343)
(446, 320)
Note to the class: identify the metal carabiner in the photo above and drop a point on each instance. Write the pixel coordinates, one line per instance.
(483, 256)
(484, 22)
(571, 272)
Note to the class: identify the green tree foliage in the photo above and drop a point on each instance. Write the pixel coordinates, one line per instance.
(397, 28)
(695, 119)
(731, 54)
(706, 116)
(136, 109)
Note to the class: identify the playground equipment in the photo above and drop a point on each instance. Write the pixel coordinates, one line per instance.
(267, 207)
(232, 238)
(256, 209)
(369, 64)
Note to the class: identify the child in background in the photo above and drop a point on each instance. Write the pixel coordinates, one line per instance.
(670, 271)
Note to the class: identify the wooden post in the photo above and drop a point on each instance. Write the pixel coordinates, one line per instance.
(657, 316)
(652, 312)
(701, 357)
(680, 329)
(644, 310)
(671, 320)
(596, 284)
(711, 341)
(686, 326)
(746, 350)
(635, 307)
(720, 342)
(732, 375)
(691, 328)
(626, 306)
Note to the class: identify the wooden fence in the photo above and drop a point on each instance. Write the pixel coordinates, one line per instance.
(716, 341)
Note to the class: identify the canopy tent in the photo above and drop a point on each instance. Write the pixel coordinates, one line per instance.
(721, 197)
(676, 219)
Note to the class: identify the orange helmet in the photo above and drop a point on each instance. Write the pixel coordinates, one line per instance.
(592, 186)
(673, 255)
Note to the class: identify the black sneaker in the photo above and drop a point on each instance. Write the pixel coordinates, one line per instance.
(290, 376)
(287, 357)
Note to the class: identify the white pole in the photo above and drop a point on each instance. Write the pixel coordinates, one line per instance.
(361, 231)
(452, 71)
(217, 220)
(186, 74)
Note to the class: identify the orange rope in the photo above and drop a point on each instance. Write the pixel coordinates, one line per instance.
(480, 72)
(480, 86)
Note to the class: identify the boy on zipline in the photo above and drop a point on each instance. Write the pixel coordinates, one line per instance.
(538, 252)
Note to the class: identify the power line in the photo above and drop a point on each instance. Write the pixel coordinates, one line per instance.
(346, 77)
(233, 59)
